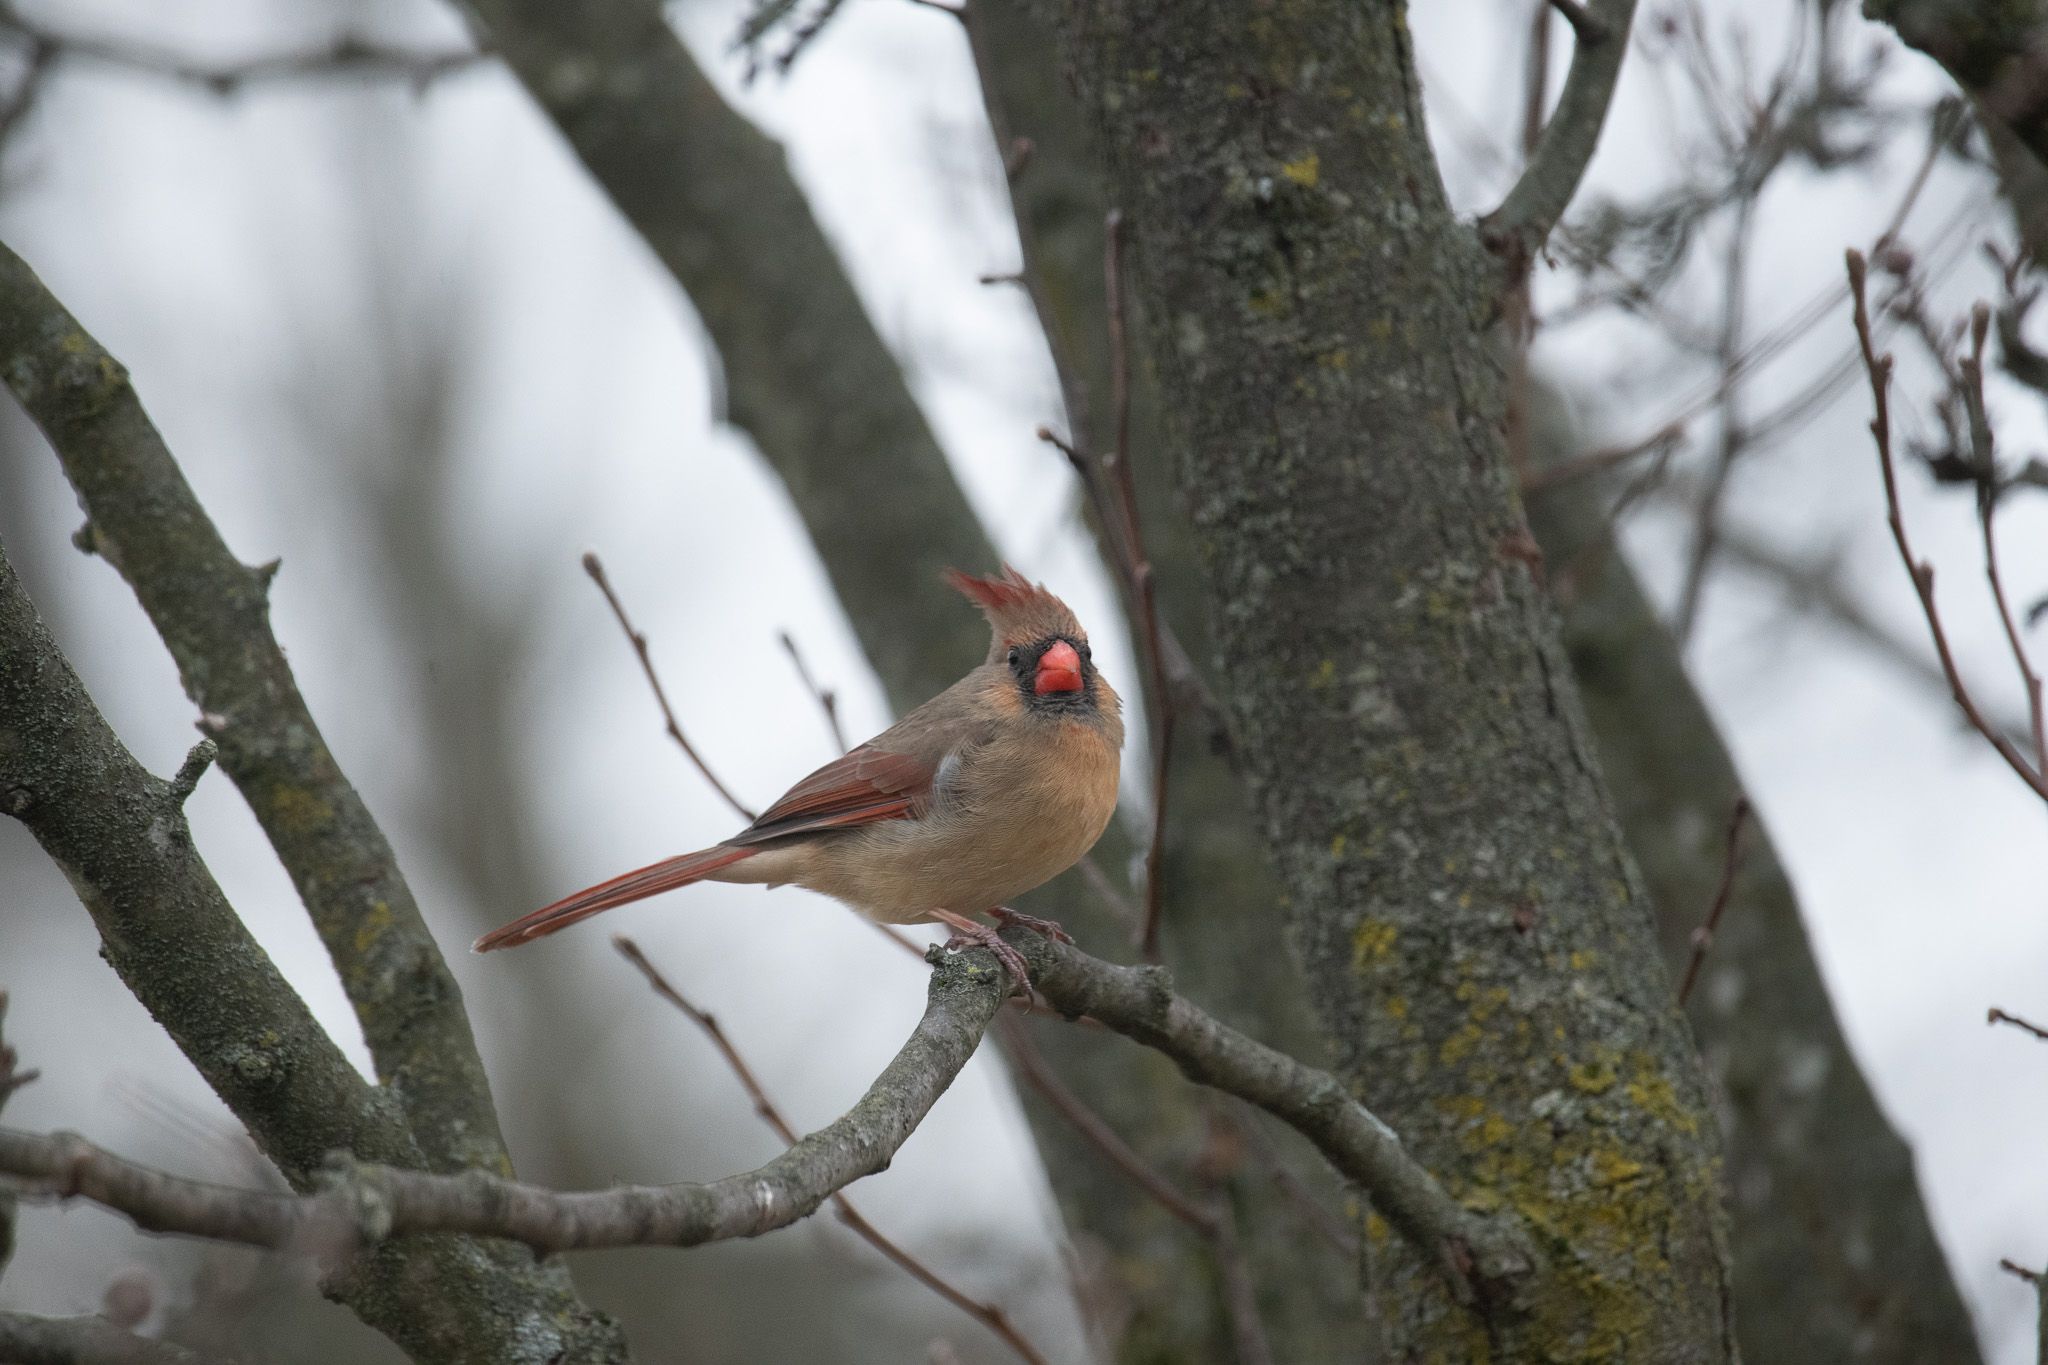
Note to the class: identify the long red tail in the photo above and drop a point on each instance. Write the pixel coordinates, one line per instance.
(666, 875)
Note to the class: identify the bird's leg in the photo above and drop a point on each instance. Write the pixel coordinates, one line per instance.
(969, 934)
(1051, 929)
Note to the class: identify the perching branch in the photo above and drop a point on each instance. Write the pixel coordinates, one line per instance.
(120, 836)
(362, 1204)
(26, 1339)
(213, 613)
(1518, 228)
(367, 1203)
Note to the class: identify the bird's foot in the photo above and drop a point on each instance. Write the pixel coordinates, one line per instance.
(968, 933)
(1046, 927)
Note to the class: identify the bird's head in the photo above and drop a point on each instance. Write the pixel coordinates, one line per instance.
(1037, 638)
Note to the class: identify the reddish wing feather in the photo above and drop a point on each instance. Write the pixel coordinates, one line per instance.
(864, 786)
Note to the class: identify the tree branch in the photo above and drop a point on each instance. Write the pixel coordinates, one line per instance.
(26, 1339)
(1519, 227)
(362, 1203)
(213, 613)
(121, 839)
(367, 1202)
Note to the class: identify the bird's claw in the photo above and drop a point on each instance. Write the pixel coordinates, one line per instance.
(1045, 927)
(981, 936)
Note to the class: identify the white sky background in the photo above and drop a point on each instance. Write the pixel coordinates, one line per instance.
(214, 247)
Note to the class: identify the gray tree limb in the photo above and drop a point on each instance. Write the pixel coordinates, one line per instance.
(1524, 219)
(120, 837)
(26, 1339)
(213, 613)
(363, 1203)
(1473, 929)
(366, 1203)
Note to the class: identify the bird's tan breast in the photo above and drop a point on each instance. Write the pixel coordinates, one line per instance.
(1020, 810)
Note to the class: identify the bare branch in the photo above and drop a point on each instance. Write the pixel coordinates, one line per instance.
(26, 1339)
(1518, 228)
(371, 1202)
(987, 1314)
(827, 699)
(1996, 1015)
(1703, 937)
(1137, 569)
(1879, 368)
(593, 566)
(362, 1203)
(213, 613)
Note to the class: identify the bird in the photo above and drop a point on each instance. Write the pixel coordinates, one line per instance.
(992, 788)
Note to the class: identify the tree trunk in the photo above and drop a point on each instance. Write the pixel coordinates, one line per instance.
(1472, 927)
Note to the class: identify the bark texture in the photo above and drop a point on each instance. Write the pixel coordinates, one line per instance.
(1473, 929)
(1834, 1257)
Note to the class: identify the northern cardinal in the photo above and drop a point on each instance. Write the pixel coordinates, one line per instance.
(993, 787)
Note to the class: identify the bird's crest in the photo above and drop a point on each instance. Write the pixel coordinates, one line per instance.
(1019, 611)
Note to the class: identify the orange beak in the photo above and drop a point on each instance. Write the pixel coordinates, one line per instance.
(1059, 669)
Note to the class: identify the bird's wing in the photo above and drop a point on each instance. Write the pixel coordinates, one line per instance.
(866, 785)
(897, 775)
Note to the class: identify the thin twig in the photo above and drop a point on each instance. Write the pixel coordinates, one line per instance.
(827, 699)
(1703, 937)
(1879, 367)
(1290, 1184)
(2014, 1268)
(1138, 570)
(593, 566)
(987, 1314)
(1021, 1050)
(1995, 1015)
(1989, 492)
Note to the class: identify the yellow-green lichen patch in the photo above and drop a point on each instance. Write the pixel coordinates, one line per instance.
(1372, 943)
(296, 811)
(374, 924)
(1304, 171)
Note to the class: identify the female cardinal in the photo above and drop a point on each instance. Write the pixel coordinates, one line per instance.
(993, 787)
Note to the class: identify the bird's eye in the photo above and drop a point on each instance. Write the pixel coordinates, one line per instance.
(1086, 653)
(1014, 653)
